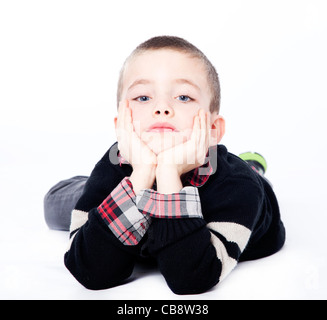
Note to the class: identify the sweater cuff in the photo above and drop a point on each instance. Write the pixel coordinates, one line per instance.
(121, 215)
(185, 204)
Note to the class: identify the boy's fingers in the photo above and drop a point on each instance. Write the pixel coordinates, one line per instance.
(203, 128)
(128, 120)
(196, 127)
(121, 112)
(208, 131)
(203, 119)
(124, 116)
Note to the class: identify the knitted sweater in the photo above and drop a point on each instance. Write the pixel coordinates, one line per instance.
(235, 217)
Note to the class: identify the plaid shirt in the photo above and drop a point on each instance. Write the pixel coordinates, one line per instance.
(129, 216)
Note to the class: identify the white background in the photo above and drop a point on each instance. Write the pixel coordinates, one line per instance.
(59, 64)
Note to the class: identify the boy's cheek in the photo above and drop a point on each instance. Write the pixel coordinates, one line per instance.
(137, 127)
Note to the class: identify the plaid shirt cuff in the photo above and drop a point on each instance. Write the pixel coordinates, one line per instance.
(185, 204)
(120, 213)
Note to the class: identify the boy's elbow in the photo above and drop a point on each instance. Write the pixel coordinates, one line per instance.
(196, 283)
(192, 287)
(95, 279)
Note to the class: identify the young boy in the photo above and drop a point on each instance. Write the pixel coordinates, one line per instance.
(167, 190)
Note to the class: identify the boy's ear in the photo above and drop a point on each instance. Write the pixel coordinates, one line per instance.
(217, 129)
(115, 121)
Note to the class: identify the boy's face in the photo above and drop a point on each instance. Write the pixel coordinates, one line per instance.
(165, 90)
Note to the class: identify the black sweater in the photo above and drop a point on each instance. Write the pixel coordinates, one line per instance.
(241, 221)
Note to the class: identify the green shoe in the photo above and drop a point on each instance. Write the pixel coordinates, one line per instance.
(255, 160)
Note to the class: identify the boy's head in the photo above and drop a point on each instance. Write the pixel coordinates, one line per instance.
(183, 46)
(166, 81)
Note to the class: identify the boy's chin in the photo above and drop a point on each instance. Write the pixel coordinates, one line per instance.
(160, 143)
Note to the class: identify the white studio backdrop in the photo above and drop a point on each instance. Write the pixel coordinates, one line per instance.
(59, 65)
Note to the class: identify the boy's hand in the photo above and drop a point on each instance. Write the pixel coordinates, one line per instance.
(174, 162)
(134, 150)
(131, 147)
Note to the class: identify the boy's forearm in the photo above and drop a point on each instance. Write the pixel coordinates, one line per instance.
(143, 178)
(90, 257)
(168, 179)
(185, 255)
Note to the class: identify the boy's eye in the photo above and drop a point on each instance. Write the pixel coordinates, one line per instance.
(142, 99)
(183, 98)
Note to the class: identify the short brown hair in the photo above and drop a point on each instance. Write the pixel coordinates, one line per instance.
(179, 44)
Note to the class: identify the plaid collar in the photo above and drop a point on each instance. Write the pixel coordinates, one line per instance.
(198, 180)
(192, 178)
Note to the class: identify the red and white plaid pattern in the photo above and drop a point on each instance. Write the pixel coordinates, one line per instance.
(120, 213)
(185, 204)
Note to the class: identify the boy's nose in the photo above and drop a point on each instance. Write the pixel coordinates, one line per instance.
(164, 111)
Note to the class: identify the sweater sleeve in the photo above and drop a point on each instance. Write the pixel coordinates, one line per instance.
(195, 254)
(96, 258)
(185, 255)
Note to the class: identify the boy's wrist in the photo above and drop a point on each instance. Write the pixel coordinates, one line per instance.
(168, 179)
(143, 177)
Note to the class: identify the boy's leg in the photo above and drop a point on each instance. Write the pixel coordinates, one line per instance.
(256, 161)
(61, 200)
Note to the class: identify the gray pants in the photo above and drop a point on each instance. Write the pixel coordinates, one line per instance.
(61, 200)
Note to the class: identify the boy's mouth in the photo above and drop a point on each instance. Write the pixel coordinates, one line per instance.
(162, 127)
